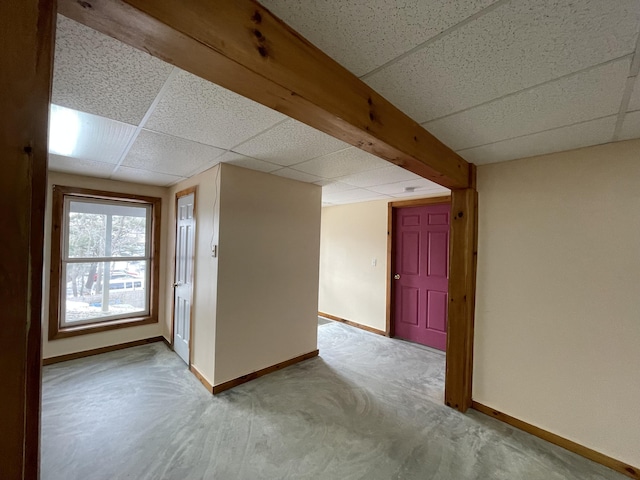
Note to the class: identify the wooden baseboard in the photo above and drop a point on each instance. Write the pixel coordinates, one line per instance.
(167, 342)
(354, 324)
(200, 377)
(574, 447)
(97, 351)
(252, 376)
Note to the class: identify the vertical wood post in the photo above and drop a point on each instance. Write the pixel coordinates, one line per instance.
(26, 59)
(462, 288)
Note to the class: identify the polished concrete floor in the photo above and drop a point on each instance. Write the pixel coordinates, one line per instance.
(367, 408)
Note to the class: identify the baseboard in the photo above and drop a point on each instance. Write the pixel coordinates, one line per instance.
(574, 447)
(167, 342)
(252, 376)
(353, 324)
(97, 351)
(200, 377)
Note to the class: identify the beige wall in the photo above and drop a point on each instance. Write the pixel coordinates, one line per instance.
(255, 304)
(268, 271)
(558, 306)
(97, 340)
(352, 236)
(205, 267)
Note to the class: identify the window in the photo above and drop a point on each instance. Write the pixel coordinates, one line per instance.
(104, 261)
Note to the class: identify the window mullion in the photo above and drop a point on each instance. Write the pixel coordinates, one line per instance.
(105, 259)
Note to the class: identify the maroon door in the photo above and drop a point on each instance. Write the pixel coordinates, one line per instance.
(420, 279)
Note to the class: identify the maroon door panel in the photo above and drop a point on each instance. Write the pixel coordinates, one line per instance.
(421, 276)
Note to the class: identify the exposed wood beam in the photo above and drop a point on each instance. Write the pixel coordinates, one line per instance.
(26, 58)
(463, 243)
(241, 46)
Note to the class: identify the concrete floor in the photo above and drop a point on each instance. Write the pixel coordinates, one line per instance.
(367, 408)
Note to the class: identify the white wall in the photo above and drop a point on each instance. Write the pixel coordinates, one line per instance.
(205, 267)
(81, 343)
(268, 271)
(350, 286)
(557, 330)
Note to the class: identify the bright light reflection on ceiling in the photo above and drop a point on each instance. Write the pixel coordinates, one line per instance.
(64, 128)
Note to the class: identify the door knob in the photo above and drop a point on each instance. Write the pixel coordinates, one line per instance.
(177, 284)
(397, 276)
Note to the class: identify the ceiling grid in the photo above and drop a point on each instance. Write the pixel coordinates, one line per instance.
(494, 80)
(625, 103)
(144, 119)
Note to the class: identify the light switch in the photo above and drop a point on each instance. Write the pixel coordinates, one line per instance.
(374, 262)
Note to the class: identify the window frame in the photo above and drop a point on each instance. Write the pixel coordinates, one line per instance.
(57, 285)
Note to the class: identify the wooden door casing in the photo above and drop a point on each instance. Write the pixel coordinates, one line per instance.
(183, 279)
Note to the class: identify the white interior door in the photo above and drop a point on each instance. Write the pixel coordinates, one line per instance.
(183, 284)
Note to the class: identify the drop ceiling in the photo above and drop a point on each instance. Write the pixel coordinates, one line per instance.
(494, 80)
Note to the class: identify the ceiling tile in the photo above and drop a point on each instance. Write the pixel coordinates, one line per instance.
(135, 175)
(79, 166)
(289, 143)
(419, 185)
(171, 155)
(630, 126)
(593, 94)
(91, 137)
(324, 182)
(97, 74)
(584, 134)
(248, 162)
(634, 103)
(352, 196)
(296, 175)
(389, 174)
(364, 34)
(198, 110)
(335, 187)
(520, 44)
(339, 164)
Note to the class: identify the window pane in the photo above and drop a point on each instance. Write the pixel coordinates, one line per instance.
(86, 234)
(102, 229)
(128, 237)
(86, 300)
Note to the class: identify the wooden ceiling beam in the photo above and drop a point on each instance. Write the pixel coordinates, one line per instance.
(241, 46)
